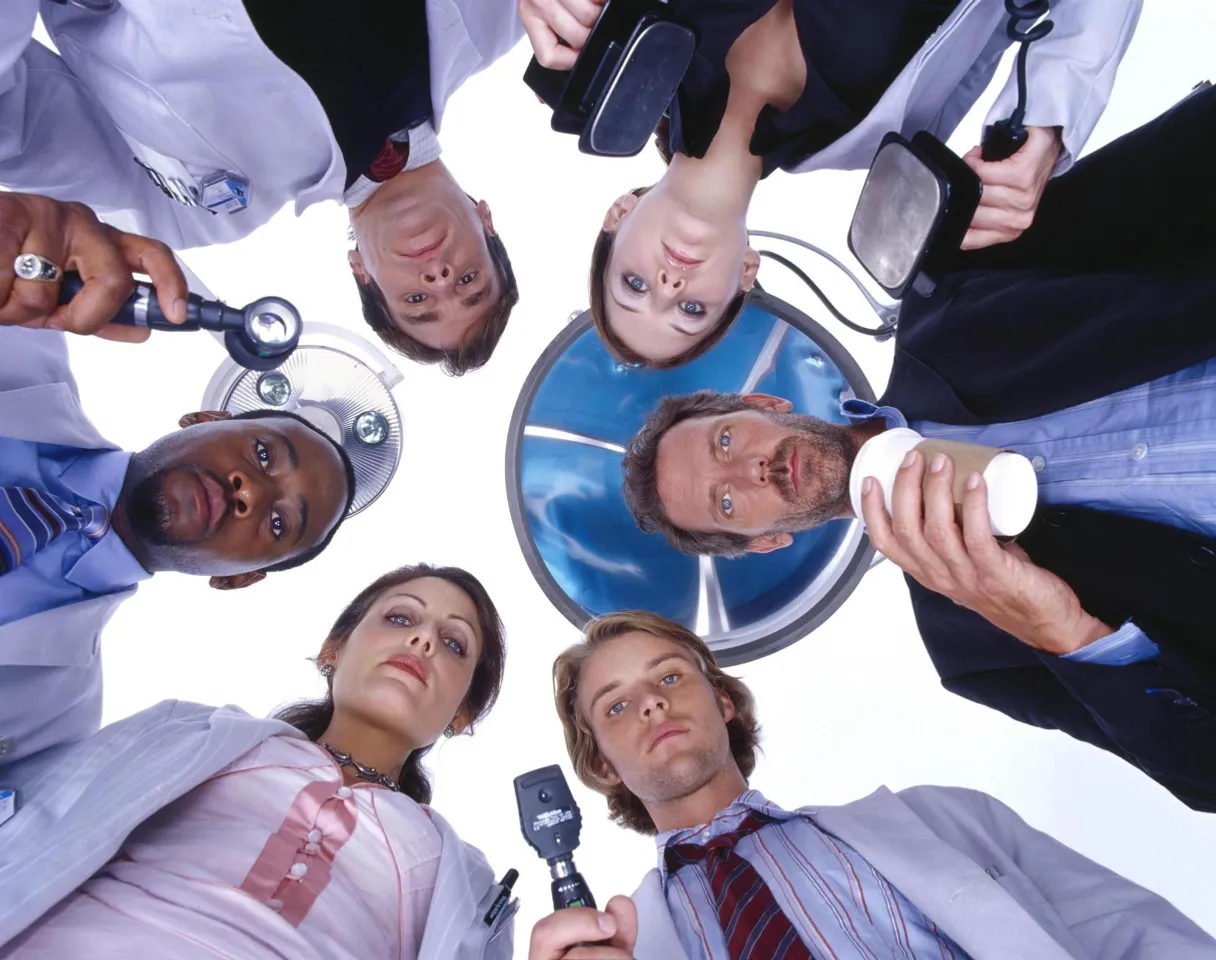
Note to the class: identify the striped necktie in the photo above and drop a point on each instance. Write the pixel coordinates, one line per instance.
(753, 924)
(30, 519)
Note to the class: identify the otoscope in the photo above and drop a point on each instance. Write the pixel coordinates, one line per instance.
(259, 336)
(550, 821)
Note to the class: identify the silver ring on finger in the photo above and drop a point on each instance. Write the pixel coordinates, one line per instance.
(31, 266)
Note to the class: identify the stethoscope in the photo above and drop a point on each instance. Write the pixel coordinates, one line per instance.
(259, 336)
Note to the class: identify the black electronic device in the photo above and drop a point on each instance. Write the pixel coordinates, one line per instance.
(919, 197)
(623, 80)
(551, 822)
(259, 336)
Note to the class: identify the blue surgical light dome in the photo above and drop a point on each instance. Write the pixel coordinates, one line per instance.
(575, 414)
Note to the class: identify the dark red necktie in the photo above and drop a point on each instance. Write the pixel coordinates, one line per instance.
(753, 924)
(389, 162)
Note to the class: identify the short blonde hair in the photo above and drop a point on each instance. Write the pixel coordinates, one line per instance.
(623, 807)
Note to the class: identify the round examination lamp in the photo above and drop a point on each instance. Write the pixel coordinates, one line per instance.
(575, 414)
(339, 383)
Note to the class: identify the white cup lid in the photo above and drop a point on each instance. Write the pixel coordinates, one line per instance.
(1013, 493)
(880, 457)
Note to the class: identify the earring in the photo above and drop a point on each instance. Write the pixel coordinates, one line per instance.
(450, 732)
(327, 671)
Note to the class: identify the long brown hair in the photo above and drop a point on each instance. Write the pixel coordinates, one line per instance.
(743, 730)
(314, 716)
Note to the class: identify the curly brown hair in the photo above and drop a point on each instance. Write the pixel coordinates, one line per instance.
(743, 730)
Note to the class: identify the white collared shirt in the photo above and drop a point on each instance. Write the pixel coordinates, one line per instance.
(424, 149)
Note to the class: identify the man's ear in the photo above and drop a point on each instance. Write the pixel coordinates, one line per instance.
(621, 208)
(726, 705)
(603, 769)
(238, 581)
(751, 265)
(355, 259)
(769, 542)
(766, 401)
(202, 416)
(487, 221)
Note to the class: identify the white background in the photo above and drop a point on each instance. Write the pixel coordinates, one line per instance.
(853, 706)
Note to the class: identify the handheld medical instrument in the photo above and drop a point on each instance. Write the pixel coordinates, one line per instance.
(259, 336)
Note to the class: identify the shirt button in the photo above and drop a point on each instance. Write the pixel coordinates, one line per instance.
(298, 870)
(344, 792)
(1139, 451)
(1038, 463)
(275, 905)
(1202, 556)
(6, 746)
(311, 849)
(314, 836)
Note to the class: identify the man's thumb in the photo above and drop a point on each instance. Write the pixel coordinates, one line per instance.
(625, 912)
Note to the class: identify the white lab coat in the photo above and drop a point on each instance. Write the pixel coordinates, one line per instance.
(190, 87)
(1070, 73)
(999, 888)
(50, 663)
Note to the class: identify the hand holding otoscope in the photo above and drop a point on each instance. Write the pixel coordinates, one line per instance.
(550, 821)
(63, 269)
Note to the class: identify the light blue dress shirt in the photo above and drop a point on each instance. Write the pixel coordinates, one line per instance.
(836, 901)
(1148, 452)
(71, 567)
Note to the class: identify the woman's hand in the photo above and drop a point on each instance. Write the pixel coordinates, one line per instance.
(1012, 188)
(558, 29)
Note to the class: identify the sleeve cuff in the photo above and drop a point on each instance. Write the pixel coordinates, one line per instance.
(1125, 646)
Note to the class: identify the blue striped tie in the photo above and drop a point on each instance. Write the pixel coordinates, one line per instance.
(30, 519)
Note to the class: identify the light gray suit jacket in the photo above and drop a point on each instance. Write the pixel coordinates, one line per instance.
(50, 664)
(82, 800)
(1001, 889)
(1070, 74)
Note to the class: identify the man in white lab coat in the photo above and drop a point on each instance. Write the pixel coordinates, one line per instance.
(653, 724)
(194, 124)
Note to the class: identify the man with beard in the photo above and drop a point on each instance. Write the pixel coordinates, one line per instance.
(82, 522)
(1098, 621)
(653, 724)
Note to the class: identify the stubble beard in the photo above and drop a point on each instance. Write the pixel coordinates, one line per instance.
(684, 776)
(827, 454)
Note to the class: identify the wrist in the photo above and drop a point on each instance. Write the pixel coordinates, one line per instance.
(1081, 632)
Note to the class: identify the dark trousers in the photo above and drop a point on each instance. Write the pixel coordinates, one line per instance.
(1143, 202)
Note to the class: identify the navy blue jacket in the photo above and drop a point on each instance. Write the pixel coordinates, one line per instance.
(1001, 344)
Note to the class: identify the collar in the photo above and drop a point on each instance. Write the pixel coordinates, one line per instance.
(424, 149)
(724, 821)
(862, 411)
(107, 566)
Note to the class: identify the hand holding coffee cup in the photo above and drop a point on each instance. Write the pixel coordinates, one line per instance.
(1013, 489)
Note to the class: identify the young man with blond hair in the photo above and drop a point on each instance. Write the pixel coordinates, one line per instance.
(655, 726)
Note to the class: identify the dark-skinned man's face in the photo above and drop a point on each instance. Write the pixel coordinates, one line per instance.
(227, 497)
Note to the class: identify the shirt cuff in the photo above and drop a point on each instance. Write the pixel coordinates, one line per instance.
(1125, 646)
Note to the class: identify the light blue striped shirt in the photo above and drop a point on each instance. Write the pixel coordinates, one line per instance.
(839, 905)
(71, 567)
(1149, 452)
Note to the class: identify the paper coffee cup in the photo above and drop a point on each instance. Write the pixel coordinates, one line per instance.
(1013, 488)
